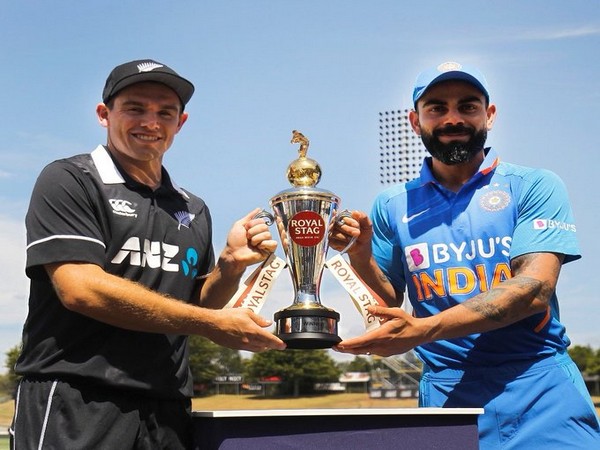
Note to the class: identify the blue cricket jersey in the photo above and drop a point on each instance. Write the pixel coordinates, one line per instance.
(444, 247)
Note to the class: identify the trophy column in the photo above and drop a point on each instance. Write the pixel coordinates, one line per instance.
(303, 215)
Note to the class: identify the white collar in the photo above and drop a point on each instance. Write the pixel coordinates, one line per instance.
(109, 173)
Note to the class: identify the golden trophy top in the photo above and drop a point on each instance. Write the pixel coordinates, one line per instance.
(304, 171)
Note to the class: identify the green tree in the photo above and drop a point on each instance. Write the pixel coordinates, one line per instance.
(360, 364)
(583, 356)
(593, 367)
(8, 382)
(299, 370)
(209, 360)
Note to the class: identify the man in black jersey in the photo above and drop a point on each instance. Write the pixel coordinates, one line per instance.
(122, 270)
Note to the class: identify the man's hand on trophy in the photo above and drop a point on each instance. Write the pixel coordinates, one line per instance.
(399, 333)
(358, 227)
(241, 329)
(249, 241)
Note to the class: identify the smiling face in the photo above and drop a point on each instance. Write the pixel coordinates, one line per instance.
(142, 121)
(453, 119)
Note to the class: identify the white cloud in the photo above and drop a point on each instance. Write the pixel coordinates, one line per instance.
(520, 34)
(565, 33)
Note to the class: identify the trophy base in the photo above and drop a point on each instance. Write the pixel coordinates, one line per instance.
(309, 341)
(307, 328)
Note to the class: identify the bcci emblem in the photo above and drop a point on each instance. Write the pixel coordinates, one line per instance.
(494, 201)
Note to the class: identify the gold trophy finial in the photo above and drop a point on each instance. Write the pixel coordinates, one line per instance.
(303, 171)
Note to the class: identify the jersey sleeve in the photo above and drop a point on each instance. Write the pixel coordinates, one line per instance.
(386, 251)
(62, 221)
(545, 220)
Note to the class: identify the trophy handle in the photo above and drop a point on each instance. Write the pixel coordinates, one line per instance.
(339, 218)
(264, 214)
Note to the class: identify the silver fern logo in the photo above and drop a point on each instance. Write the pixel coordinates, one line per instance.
(148, 66)
(184, 218)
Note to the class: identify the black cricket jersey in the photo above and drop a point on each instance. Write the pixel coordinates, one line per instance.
(86, 209)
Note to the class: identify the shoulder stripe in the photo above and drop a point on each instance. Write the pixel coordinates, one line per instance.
(492, 167)
(544, 321)
(66, 236)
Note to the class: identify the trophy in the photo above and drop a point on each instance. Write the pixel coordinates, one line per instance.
(304, 215)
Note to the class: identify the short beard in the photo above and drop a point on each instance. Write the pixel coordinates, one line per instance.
(454, 152)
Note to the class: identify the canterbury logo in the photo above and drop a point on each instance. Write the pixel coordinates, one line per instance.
(148, 66)
(122, 207)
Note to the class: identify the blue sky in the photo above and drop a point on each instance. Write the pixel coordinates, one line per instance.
(263, 68)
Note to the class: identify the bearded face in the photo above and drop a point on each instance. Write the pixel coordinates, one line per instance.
(454, 152)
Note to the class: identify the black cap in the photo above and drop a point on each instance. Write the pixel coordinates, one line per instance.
(146, 70)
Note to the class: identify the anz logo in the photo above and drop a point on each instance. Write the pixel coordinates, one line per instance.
(190, 264)
(157, 255)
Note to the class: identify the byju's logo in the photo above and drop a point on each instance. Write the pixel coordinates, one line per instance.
(547, 224)
(122, 207)
(417, 257)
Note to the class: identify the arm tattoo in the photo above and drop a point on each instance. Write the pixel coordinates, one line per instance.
(513, 299)
(481, 304)
(507, 299)
(383, 278)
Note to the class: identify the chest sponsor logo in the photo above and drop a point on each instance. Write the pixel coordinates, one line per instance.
(122, 207)
(190, 263)
(417, 257)
(444, 269)
(420, 256)
(157, 255)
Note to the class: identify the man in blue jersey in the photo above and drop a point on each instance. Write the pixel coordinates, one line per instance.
(122, 270)
(477, 244)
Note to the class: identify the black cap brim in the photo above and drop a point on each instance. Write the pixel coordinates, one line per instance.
(130, 73)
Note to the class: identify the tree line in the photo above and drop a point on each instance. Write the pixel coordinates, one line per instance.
(297, 370)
